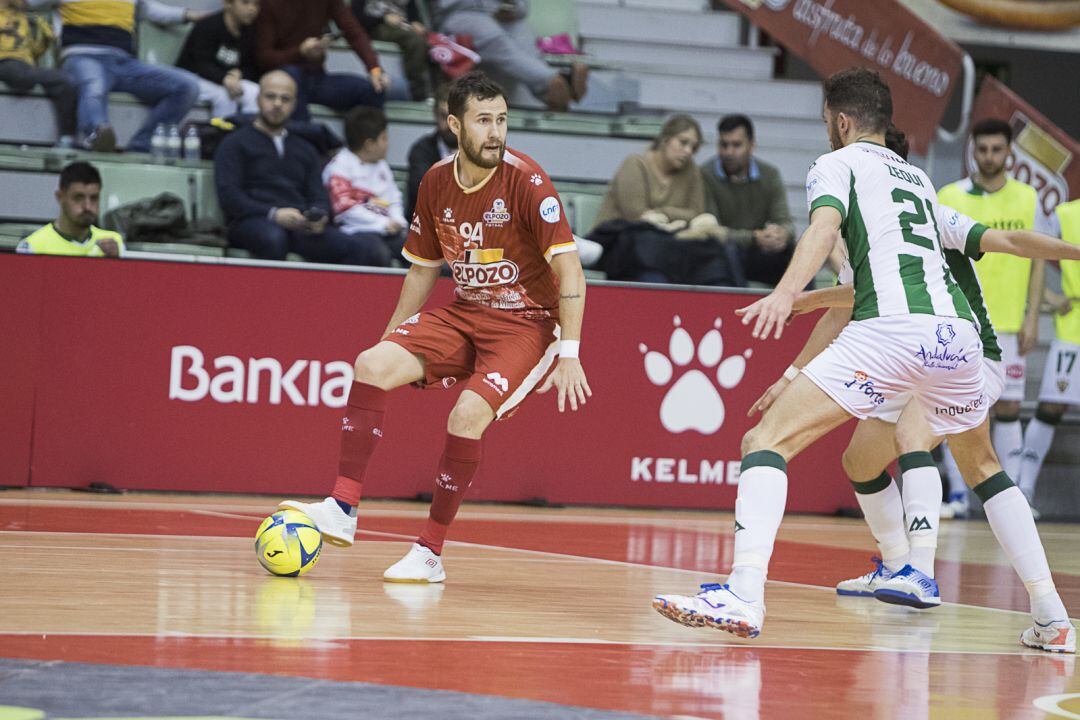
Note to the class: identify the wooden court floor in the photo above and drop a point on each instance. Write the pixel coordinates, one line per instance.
(539, 604)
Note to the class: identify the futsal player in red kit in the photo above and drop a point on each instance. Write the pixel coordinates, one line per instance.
(513, 327)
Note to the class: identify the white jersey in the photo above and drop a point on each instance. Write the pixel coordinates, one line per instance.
(960, 238)
(889, 225)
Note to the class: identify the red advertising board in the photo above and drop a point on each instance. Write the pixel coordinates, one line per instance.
(175, 376)
(1043, 156)
(921, 66)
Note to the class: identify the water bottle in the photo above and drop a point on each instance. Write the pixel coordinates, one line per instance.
(173, 145)
(192, 144)
(158, 143)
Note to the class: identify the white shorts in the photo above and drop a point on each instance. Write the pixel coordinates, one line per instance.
(936, 360)
(993, 384)
(1061, 374)
(1015, 369)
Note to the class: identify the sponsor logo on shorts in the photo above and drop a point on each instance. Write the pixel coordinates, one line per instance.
(941, 356)
(411, 320)
(497, 382)
(550, 210)
(861, 382)
(498, 215)
(1015, 371)
(1062, 385)
(954, 410)
(448, 382)
(503, 272)
(401, 331)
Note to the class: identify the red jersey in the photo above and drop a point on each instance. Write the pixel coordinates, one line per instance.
(498, 237)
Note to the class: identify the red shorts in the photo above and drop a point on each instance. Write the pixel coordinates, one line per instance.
(504, 357)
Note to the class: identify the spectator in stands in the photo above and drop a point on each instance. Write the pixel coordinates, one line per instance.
(23, 40)
(750, 201)
(363, 195)
(656, 222)
(508, 47)
(221, 50)
(397, 21)
(429, 149)
(73, 232)
(269, 185)
(293, 36)
(97, 48)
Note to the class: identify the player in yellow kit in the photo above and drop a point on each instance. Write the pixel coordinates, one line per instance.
(1012, 286)
(1061, 375)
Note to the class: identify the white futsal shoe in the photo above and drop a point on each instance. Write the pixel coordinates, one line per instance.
(419, 565)
(864, 585)
(336, 525)
(1056, 636)
(910, 587)
(955, 507)
(716, 607)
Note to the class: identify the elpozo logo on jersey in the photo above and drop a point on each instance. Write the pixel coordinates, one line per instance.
(498, 215)
(485, 268)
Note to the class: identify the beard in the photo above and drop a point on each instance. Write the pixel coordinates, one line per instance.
(835, 141)
(990, 169)
(474, 152)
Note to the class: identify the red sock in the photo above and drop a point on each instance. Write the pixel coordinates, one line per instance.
(456, 469)
(361, 429)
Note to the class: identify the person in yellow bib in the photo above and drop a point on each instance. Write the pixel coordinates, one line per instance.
(1012, 286)
(74, 233)
(1061, 375)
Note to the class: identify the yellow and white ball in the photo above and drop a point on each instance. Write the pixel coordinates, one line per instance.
(288, 543)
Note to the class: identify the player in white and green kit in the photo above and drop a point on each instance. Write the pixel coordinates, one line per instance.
(1061, 375)
(912, 332)
(1013, 285)
(905, 573)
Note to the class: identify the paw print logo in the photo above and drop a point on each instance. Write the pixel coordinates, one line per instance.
(693, 402)
(536, 179)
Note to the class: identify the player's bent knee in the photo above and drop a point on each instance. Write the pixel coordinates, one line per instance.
(370, 367)
(470, 417)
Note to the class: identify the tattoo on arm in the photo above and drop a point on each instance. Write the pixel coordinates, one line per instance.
(572, 296)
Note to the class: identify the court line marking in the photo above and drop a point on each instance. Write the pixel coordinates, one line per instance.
(546, 553)
(537, 640)
(556, 515)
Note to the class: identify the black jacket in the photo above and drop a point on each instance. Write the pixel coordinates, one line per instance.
(211, 50)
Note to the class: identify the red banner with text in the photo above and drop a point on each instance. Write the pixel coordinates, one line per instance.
(921, 66)
(178, 376)
(1043, 156)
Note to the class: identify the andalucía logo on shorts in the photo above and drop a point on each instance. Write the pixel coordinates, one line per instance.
(693, 402)
(941, 356)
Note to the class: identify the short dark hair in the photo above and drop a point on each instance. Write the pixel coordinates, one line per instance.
(992, 126)
(896, 140)
(862, 95)
(363, 123)
(729, 123)
(79, 172)
(473, 84)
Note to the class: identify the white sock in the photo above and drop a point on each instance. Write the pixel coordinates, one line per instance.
(1037, 439)
(880, 502)
(952, 471)
(759, 508)
(1008, 444)
(922, 508)
(1010, 518)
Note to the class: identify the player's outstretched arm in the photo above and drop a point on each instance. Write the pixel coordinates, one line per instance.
(838, 296)
(419, 282)
(569, 376)
(1028, 243)
(772, 311)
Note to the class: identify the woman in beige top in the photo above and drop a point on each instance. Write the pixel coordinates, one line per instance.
(664, 179)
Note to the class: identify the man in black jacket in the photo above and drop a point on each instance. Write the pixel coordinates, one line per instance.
(429, 149)
(269, 185)
(221, 50)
